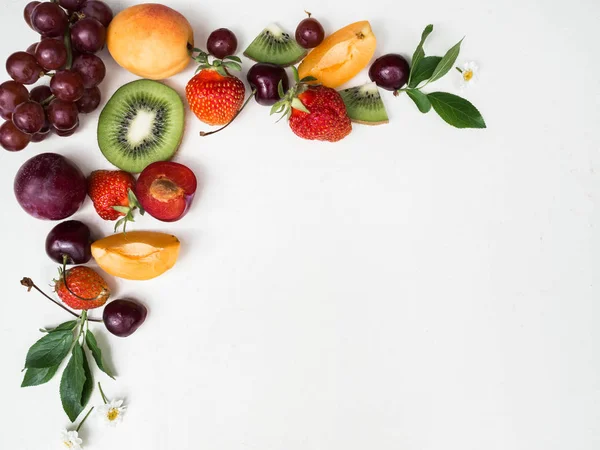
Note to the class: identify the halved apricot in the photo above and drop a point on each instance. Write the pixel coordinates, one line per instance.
(341, 55)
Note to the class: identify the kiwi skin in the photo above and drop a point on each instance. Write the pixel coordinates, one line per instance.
(254, 50)
(360, 100)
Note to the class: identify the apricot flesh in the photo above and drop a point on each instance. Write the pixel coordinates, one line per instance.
(341, 55)
(136, 255)
(150, 40)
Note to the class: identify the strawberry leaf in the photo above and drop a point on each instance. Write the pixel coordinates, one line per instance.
(280, 89)
(232, 65)
(122, 209)
(297, 104)
(233, 58)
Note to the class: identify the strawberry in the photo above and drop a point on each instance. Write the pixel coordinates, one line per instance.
(111, 192)
(86, 289)
(214, 95)
(315, 112)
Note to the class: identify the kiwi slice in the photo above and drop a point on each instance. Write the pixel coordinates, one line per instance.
(142, 123)
(364, 104)
(275, 46)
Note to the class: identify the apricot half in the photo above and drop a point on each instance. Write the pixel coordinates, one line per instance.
(136, 255)
(150, 40)
(341, 55)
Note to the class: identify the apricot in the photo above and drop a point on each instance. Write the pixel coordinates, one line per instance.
(150, 40)
(136, 255)
(341, 55)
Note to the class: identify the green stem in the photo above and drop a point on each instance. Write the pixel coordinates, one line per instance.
(459, 69)
(203, 133)
(104, 399)
(48, 100)
(84, 419)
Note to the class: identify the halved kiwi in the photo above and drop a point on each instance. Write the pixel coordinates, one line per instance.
(275, 46)
(142, 123)
(364, 104)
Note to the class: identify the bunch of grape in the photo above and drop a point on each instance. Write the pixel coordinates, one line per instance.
(72, 31)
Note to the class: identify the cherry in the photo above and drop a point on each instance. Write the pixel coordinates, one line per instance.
(123, 317)
(265, 78)
(69, 242)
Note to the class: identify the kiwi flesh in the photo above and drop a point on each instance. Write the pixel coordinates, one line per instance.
(364, 104)
(142, 123)
(275, 46)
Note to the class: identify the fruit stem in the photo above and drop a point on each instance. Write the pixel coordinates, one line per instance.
(204, 133)
(309, 14)
(29, 284)
(48, 100)
(69, 48)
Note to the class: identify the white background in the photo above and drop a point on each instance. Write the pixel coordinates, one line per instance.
(413, 287)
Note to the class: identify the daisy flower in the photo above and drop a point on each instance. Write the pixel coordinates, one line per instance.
(469, 73)
(71, 440)
(112, 412)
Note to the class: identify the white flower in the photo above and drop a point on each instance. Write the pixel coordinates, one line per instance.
(112, 412)
(469, 74)
(71, 440)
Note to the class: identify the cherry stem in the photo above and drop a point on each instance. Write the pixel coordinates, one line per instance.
(309, 14)
(29, 284)
(204, 133)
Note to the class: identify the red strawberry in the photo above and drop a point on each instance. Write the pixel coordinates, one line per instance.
(315, 112)
(112, 194)
(86, 289)
(214, 95)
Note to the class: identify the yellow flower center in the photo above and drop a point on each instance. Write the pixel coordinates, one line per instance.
(112, 414)
(467, 75)
(68, 444)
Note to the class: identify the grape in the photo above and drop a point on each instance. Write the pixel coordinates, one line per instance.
(40, 94)
(222, 43)
(265, 78)
(12, 94)
(31, 48)
(28, 10)
(309, 33)
(90, 100)
(42, 135)
(71, 239)
(67, 85)
(97, 10)
(91, 68)
(29, 117)
(390, 71)
(62, 115)
(67, 133)
(49, 186)
(12, 139)
(88, 35)
(49, 20)
(51, 54)
(71, 5)
(23, 68)
(123, 317)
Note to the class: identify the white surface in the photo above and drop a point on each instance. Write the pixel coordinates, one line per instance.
(413, 287)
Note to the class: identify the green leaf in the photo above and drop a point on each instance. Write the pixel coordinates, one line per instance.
(280, 89)
(420, 100)
(50, 350)
(92, 344)
(307, 79)
(67, 326)
(446, 63)
(419, 53)
(233, 58)
(424, 70)
(233, 65)
(88, 386)
(296, 76)
(35, 377)
(122, 209)
(456, 111)
(72, 384)
(297, 104)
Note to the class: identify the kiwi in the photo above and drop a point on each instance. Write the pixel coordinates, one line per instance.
(364, 105)
(142, 123)
(275, 46)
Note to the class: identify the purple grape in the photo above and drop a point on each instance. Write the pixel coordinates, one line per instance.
(42, 135)
(91, 68)
(29, 117)
(12, 94)
(31, 48)
(90, 101)
(23, 68)
(309, 33)
(222, 43)
(88, 35)
(66, 133)
(12, 139)
(390, 71)
(28, 10)
(123, 317)
(71, 239)
(71, 5)
(67, 85)
(40, 93)
(50, 187)
(51, 54)
(63, 115)
(265, 78)
(49, 19)
(97, 10)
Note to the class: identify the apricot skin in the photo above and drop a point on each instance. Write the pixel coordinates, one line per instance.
(150, 40)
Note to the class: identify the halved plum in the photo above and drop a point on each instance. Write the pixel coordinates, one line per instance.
(166, 189)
